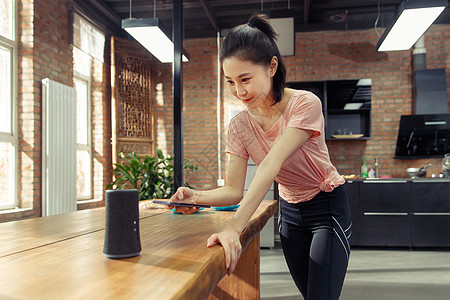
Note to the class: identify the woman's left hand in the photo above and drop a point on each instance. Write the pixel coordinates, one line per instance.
(229, 239)
(184, 195)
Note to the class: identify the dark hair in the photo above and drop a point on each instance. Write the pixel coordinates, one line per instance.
(256, 41)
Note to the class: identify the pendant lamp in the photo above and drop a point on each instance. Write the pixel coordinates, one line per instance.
(149, 34)
(412, 19)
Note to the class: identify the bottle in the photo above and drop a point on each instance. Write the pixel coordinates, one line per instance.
(364, 169)
(372, 173)
(377, 164)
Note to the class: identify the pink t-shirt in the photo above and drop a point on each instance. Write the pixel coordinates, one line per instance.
(308, 170)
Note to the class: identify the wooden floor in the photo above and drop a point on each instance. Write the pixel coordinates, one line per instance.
(372, 274)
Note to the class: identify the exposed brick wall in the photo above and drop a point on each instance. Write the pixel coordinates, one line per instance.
(163, 107)
(29, 116)
(437, 43)
(44, 51)
(352, 55)
(199, 112)
(328, 55)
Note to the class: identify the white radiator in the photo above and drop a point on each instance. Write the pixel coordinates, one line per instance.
(59, 148)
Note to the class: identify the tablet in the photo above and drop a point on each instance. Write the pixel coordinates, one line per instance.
(179, 204)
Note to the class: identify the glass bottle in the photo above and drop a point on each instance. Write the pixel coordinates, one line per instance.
(364, 169)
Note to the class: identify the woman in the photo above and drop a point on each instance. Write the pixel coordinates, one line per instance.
(282, 130)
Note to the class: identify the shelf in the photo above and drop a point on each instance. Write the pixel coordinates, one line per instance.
(335, 95)
(347, 136)
(364, 138)
(348, 111)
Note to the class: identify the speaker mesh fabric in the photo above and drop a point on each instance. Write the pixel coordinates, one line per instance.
(122, 237)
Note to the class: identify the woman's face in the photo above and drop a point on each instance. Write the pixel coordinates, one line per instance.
(249, 82)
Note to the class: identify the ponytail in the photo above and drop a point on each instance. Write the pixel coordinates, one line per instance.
(261, 22)
(255, 41)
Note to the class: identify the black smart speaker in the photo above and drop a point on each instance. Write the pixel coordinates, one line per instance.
(122, 237)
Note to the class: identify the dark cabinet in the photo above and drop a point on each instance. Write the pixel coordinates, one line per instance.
(385, 213)
(400, 213)
(430, 214)
(349, 123)
(346, 106)
(431, 230)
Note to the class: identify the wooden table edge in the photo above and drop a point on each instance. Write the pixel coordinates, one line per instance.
(202, 287)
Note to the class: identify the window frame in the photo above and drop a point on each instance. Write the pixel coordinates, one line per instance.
(86, 147)
(85, 74)
(11, 137)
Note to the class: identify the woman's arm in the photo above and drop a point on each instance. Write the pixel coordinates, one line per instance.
(230, 194)
(289, 141)
(233, 190)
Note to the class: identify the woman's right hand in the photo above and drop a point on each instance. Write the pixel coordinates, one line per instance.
(229, 239)
(184, 195)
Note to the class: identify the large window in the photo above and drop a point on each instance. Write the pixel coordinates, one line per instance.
(84, 149)
(88, 45)
(8, 136)
(87, 38)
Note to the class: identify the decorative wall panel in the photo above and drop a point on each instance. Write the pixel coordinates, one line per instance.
(133, 120)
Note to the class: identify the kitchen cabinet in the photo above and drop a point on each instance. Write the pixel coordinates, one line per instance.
(431, 213)
(400, 212)
(346, 106)
(385, 213)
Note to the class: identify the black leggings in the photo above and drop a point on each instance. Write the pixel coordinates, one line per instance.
(315, 236)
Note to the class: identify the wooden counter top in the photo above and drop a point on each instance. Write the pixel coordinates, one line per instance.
(38, 232)
(174, 263)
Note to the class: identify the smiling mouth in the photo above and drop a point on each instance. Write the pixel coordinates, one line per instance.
(247, 100)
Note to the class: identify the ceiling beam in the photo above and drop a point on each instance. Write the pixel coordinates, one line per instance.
(108, 12)
(210, 14)
(108, 24)
(306, 11)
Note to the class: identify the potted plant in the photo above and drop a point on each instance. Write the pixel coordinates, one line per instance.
(152, 176)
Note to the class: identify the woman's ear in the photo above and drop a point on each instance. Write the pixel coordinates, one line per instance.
(273, 66)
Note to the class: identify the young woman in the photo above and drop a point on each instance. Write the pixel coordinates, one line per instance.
(282, 130)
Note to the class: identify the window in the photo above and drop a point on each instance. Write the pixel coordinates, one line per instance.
(5, 89)
(7, 19)
(7, 184)
(8, 136)
(87, 38)
(88, 49)
(84, 161)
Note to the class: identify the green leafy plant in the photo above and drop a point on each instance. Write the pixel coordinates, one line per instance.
(152, 176)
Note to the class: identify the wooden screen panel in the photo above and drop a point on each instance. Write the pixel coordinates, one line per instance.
(133, 114)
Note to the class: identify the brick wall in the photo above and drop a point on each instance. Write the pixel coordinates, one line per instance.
(44, 51)
(352, 55)
(199, 112)
(328, 55)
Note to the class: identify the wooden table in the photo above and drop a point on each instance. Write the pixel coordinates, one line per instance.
(60, 257)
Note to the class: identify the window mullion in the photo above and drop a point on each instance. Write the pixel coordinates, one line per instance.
(9, 129)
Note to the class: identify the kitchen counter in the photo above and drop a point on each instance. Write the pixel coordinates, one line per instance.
(400, 212)
(60, 257)
(399, 179)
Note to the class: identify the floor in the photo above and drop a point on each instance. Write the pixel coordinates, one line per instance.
(372, 274)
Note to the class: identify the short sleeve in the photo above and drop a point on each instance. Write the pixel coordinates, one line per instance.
(235, 144)
(306, 113)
